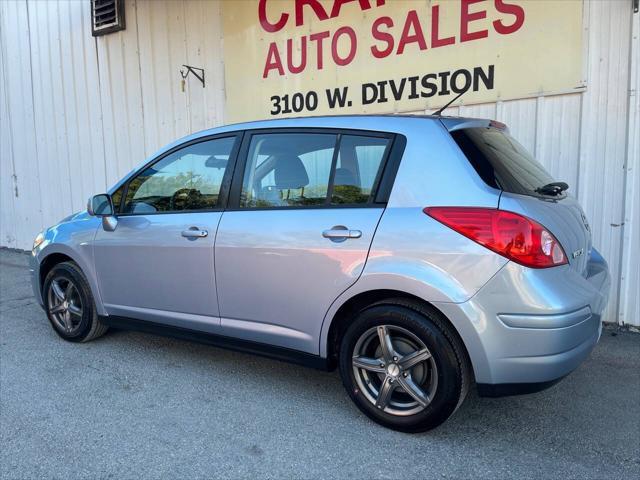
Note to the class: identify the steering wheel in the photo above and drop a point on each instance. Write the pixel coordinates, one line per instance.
(185, 199)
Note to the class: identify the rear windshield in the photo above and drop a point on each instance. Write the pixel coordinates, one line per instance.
(501, 161)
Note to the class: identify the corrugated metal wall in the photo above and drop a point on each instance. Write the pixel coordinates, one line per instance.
(77, 113)
(629, 303)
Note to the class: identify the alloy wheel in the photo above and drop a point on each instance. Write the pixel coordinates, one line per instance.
(395, 370)
(65, 304)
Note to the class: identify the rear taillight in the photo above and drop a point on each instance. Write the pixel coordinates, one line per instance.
(514, 236)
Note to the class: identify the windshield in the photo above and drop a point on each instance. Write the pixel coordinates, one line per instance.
(501, 161)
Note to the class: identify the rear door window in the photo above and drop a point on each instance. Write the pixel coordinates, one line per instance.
(296, 169)
(501, 161)
(287, 169)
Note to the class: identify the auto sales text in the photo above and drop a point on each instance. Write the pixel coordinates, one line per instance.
(420, 29)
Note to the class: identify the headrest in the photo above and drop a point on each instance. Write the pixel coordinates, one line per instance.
(289, 172)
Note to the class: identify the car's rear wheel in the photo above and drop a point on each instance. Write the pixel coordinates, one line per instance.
(403, 366)
(70, 305)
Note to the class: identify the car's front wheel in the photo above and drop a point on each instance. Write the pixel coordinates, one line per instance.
(70, 305)
(403, 366)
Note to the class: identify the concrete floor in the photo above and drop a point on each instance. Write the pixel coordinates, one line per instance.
(132, 405)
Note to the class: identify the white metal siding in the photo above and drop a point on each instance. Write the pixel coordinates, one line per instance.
(630, 275)
(77, 113)
(603, 142)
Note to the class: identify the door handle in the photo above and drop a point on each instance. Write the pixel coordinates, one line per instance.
(194, 232)
(341, 233)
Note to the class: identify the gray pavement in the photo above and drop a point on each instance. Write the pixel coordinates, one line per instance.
(133, 405)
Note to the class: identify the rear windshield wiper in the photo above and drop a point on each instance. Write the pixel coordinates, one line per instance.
(554, 188)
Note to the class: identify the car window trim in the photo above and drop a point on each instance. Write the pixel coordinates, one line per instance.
(389, 171)
(384, 172)
(223, 195)
(332, 169)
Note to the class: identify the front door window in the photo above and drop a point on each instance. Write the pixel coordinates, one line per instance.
(186, 180)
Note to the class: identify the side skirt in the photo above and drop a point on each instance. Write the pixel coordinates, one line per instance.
(229, 343)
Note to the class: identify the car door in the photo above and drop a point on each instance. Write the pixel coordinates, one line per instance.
(158, 263)
(301, 218)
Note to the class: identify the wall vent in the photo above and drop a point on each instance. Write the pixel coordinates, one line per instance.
(107, 16)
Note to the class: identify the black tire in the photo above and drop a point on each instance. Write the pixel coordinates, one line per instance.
(449, 367)
(86, 326)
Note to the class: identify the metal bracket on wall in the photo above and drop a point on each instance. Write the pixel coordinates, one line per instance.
(197, 72)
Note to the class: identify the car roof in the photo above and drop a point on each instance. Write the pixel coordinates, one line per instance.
(384, 123)
(390, 123)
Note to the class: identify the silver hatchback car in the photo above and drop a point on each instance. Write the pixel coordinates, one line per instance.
(419, 255)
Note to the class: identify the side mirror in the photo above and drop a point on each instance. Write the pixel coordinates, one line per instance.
(100, 206)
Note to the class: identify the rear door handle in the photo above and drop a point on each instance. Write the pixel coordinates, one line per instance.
(340, 233)
(194, 232)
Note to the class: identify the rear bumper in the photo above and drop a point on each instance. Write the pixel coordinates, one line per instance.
(556, 366)
(531, 328)
(508, 389)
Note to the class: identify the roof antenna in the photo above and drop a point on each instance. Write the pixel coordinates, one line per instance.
(439, 112)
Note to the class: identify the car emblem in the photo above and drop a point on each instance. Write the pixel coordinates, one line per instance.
(577, 253)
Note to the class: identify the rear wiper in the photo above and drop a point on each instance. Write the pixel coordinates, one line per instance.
(554, 188)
